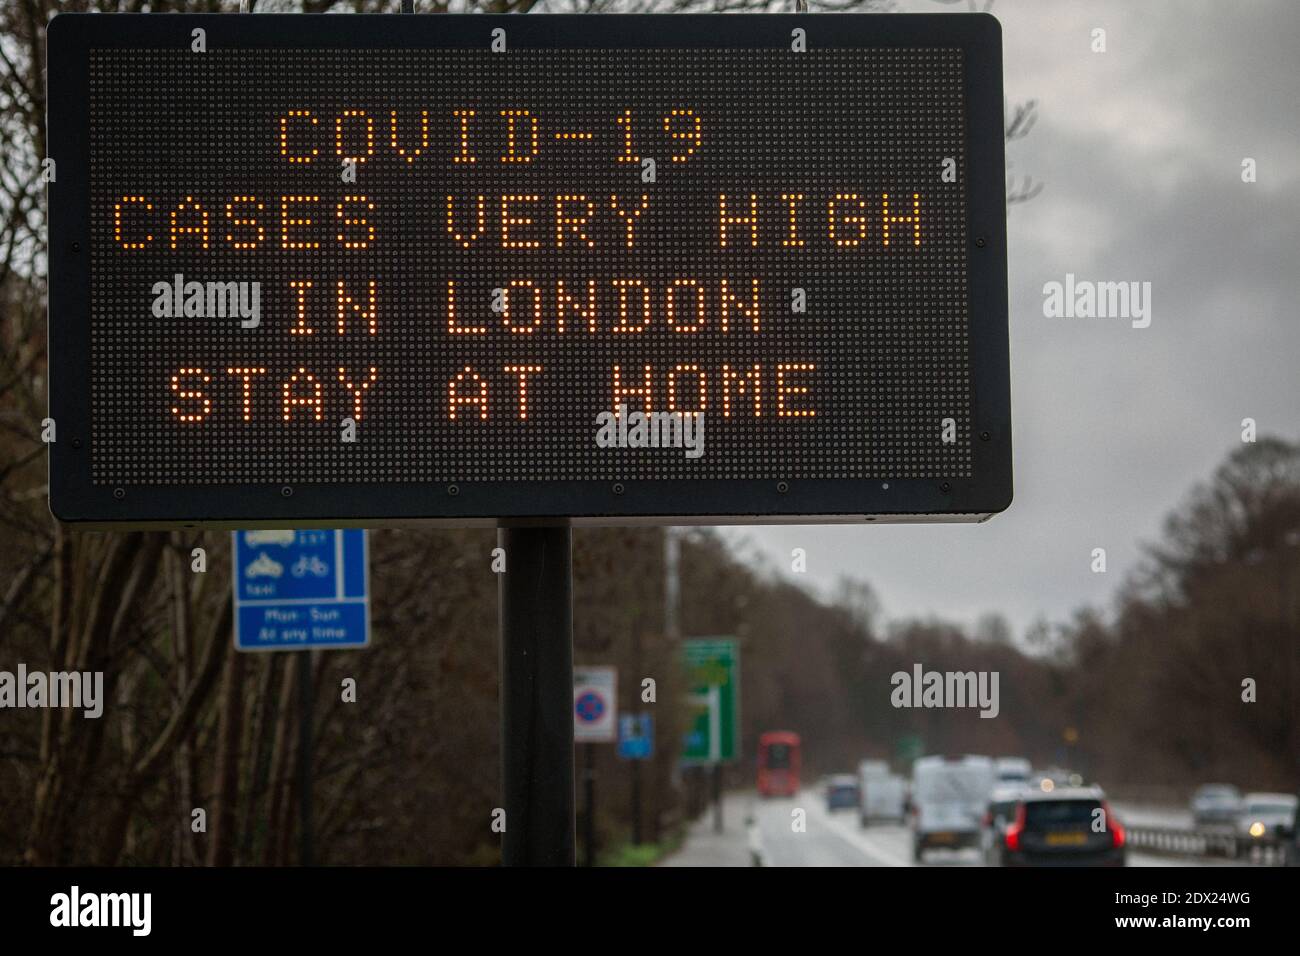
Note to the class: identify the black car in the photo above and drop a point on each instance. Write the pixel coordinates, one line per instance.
(1004, 801)
(1070, 826)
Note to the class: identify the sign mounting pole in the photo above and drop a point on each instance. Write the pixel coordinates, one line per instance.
(536, 616)
(306, 828)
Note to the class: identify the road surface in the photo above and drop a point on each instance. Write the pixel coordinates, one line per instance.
(829, 839)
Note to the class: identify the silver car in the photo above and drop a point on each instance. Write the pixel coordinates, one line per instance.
(1216, 804)
(1263, 817)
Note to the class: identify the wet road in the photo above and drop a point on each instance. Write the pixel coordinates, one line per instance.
(770, 829)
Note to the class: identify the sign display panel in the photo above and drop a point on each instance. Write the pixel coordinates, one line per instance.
(356, 269)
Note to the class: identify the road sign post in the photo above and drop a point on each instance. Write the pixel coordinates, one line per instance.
(717, 798)
(636, 736)
(713, 675)
(306, 788)
(595, 713)
(588, 806)
(298, 591)
(636, 802)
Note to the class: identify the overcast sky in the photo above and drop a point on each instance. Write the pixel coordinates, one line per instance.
(1140, 149)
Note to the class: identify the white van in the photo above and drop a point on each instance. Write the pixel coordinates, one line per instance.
(1013, 770)
(882, 797)
(868, 770)
(949, 795)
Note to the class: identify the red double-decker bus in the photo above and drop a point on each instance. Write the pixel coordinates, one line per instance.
(778, 763)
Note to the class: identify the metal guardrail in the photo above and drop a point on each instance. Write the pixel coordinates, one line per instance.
(1179, 841)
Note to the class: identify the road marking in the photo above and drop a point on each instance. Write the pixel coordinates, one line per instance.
(861, 842)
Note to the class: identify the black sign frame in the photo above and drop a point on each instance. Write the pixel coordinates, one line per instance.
(74, 498)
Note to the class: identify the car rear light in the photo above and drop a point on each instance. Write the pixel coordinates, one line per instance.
(1017, 827)
(1117, 834)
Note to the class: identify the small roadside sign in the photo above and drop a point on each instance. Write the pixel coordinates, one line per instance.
(595, 704)
(299, 590)
(636, 736)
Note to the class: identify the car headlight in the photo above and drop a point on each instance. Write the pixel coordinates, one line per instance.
(1257, 829)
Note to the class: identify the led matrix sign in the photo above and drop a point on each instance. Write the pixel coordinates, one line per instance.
(379, 268)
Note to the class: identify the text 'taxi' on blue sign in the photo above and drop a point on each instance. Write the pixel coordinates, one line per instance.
(296, 590)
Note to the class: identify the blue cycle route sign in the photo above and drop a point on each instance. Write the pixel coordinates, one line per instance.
(297, 590)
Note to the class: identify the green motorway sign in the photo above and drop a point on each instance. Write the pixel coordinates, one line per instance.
(908, 748)
(713, 671)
